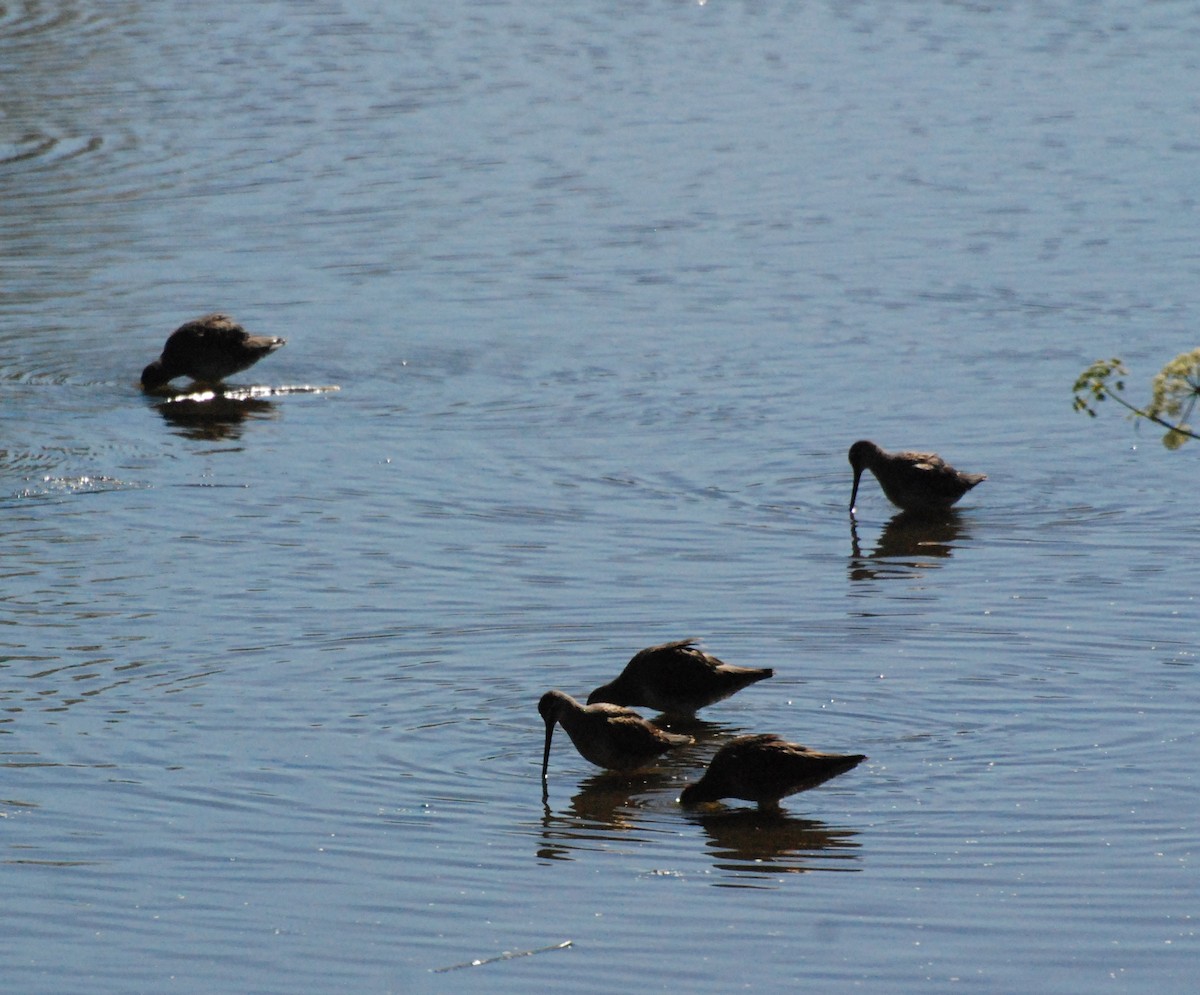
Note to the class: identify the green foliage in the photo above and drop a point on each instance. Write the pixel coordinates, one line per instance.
(1173, 398)
(1094, 381)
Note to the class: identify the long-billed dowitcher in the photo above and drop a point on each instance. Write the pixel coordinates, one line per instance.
(208, 349)
(677, 678)
(765, 768)
(607, 735)
(912, 481)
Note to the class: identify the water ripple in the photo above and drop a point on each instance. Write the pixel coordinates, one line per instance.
(25, 23)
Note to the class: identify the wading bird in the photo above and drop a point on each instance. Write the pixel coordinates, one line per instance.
(677, 678)
(606, 735)
(912, 481)
(764, 769)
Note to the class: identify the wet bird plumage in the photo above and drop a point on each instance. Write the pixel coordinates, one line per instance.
(912, 481)
(208, 350)
(607, 735)
(677, 678)
(765, 768)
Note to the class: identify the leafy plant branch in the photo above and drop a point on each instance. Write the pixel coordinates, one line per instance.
(1174, 392)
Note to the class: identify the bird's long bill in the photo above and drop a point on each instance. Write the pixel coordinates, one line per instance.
(546, 752)
(854, 490)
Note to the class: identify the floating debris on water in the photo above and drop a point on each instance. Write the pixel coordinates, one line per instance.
(507, 955)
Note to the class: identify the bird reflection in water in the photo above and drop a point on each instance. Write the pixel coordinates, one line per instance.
(219, 413)
(210, 417)
(608, 806)
(746, 843)
(910, 542)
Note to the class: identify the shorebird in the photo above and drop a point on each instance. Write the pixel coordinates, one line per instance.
(677, 678)
(912, 481)
(765, 768)
(606, 735)
(208, 349)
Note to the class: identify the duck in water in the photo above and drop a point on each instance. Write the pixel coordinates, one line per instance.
(208, 349)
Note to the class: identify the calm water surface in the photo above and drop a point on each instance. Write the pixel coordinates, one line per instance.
(608, 293)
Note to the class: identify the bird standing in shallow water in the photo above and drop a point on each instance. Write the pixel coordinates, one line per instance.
(912, 481)
(677, 678)
(208, 349)
(606, 735)
(765, 768)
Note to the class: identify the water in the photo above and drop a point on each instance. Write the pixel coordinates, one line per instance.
(608, 293)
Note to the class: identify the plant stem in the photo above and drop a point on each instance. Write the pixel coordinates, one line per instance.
(1154, 418)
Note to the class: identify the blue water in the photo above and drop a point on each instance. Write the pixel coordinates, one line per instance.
(607, 293)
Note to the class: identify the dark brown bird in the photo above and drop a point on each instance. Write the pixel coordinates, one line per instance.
(765, 768)
(606, 735)
(912, 481)
(208, 349)
(677, 678)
